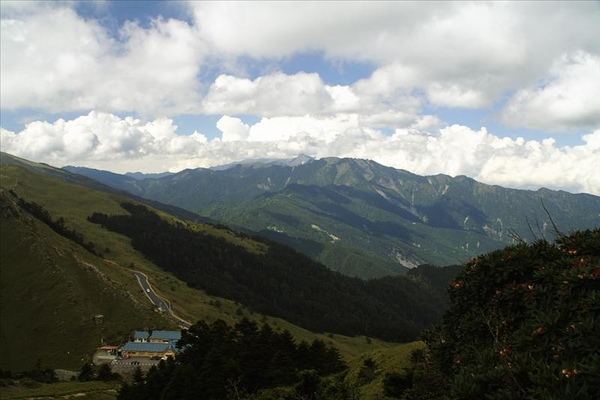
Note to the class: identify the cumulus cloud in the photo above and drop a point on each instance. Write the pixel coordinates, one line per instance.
(570, 168)
(103, 140)
(464, 54)
(567, 98)
(232, 129)
(101, 137)
(449, 54)
(324, 129)
(274, 94)
(55, 60)
(381, 104)
(47, 57)
(461, 54)
(262, 29)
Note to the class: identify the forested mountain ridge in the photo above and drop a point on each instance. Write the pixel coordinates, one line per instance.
(386, 218)
(278, 281)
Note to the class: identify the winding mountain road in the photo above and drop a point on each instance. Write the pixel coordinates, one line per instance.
(160, 303)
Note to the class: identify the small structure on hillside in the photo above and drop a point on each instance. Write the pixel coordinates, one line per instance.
(164, 337)
(140, 336)
(148, 350)
(153, 344)
(109, 350)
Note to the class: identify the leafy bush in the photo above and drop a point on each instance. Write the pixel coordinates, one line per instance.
(523, 323)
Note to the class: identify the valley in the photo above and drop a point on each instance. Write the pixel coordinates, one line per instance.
(63, 285)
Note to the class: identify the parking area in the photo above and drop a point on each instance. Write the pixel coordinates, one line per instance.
(135, 361)
(124, 365)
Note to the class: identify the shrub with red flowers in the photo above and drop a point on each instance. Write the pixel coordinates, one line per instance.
(524, 323)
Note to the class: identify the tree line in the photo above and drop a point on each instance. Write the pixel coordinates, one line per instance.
(58, 225)
(219, 361)
(282, 282)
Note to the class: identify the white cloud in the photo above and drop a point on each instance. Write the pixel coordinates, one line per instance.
(78, 140)
(568, 98)
(279, 29)
(534, 164)
(427, 123)
(270, 95)
(449, 54)
(455, 95)
(102, 140)
(54, 60)
(462, 54)
(160, 64)
(301, 94)
(232, 129)
(48, 58)
(343, 98)
(310, 128)
(161, 128)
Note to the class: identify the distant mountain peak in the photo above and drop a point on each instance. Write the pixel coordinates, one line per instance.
(257, 162)
(299, 160)
(142, 175)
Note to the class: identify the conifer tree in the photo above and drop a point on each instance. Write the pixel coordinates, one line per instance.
(86, 373)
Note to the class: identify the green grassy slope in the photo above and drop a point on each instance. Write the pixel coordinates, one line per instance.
(63, 390)
(50, 292)
(370, 380)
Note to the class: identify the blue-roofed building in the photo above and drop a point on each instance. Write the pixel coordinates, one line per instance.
(140, 336)
(151, 344)
(147, 349)
(164, 336)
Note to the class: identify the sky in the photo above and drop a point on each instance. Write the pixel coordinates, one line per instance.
(507, 93)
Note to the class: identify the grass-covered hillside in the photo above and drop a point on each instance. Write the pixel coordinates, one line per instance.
(51, 291)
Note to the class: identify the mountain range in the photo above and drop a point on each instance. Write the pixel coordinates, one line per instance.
(362, 218)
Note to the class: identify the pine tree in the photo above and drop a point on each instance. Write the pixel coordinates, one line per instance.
(86, 373)
(183, 385)
(105, 373)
